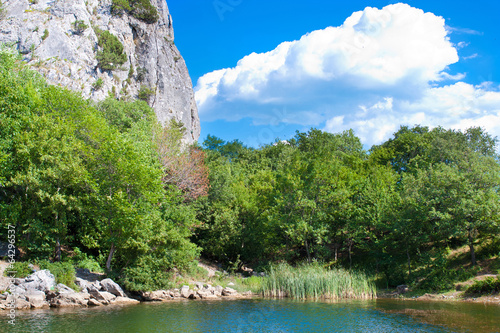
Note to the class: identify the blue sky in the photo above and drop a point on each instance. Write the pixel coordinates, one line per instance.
(421, 62)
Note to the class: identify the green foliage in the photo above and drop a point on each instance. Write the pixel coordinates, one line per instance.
(79, 26)
(314, 281)
(123, 115)
(141, 74)
(98, 84)
(140, 9)
(111, 54)
(22, 269)
(64, 272)
(45, 34)
(78, 175)
(145, 93)
(85, 261)
(489, 285)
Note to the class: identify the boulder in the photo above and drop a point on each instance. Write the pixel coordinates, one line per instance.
(229, 292)
(62, 288)
(402, 289)
(158, 295)
(103, 296)
(37, 300)
(94, 302)
(81, 283)
(94, 286)
(125, 300)
(218, 291)
(22, 304)
(112, 287)
(186, 292)
(175, 293)
(18, 290)
(42, 280)
(70, 300)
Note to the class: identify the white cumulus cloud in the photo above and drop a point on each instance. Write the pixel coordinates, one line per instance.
(379, 69)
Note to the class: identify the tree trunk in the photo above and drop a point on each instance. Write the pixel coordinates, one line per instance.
(110, 256)
(472, 252)
(58, 250)
(409, 262)
(350, 257)
(307, 251)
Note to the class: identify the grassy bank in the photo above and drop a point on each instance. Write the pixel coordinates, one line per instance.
(315, 281)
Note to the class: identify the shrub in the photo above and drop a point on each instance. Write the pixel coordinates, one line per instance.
(45, 34)
(79, 26)
(64, 272)
(98, 84)
(19, 270)
(489, 285)
(111, 54)
(82, 260)
(145, 93)
(140, 9)
(141, 73)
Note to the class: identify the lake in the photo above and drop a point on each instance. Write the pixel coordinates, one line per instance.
(265, 315)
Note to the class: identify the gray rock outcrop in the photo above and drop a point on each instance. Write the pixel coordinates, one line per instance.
(112, 287)
(42, 280)
(44, 31)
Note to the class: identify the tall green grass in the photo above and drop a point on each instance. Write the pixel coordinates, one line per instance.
(315, 281)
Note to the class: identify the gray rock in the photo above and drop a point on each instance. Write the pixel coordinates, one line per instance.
(70, 300)
(124, 300)
(69, 59)
(112, 287)
(42, 280)
(402, 289)
(103, 296)
(229, 292)
(186, 292)
(218, 291)
(37, 300)
(81, 283)
(158, 295)
(94, 302)
(62, 288)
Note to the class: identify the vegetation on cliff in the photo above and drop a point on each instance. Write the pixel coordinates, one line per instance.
(140, 9)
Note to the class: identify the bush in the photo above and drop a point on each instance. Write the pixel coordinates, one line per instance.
(64, 272)
(98, 84)
(140, 9)
(82, 260)
(79, 26)
(45, 34)
(21, 269)
(489, 285)
(145, 93)
(111, 54)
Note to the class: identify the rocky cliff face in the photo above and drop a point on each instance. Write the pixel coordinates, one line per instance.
(59, 38)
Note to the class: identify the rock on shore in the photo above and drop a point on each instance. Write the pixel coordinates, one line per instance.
(39, 290)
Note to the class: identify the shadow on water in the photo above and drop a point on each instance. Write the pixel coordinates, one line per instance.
(265, 315)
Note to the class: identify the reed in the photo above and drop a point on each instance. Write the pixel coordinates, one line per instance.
(314, 281)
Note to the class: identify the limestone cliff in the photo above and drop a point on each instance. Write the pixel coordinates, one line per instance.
(59, 38)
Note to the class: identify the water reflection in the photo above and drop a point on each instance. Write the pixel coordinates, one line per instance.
(267, 315)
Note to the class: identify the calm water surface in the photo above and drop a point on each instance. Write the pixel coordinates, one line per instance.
(265, 315)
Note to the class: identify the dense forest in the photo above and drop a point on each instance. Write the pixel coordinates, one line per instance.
(103, 185)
